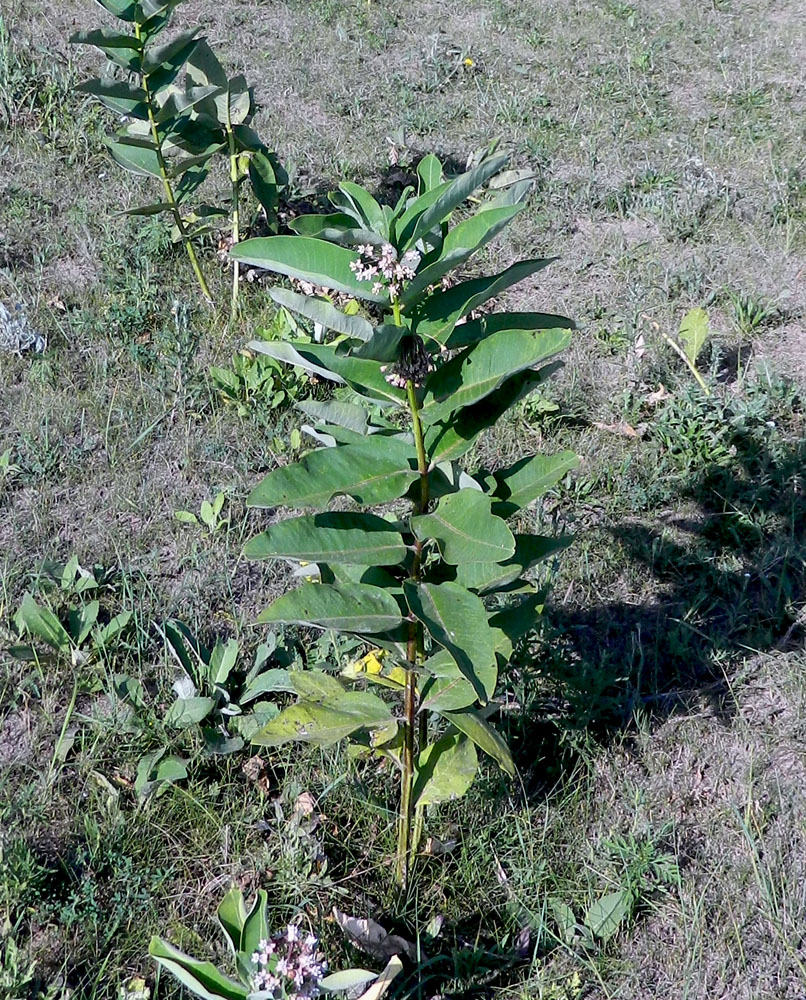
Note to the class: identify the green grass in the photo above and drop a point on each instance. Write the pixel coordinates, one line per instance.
(657, 711)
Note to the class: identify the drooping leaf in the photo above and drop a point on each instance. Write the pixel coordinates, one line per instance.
(372, 472)
(267, 682)
(449, 439)
(490, 577)
(460, 244)
(123, 50)
(695, 330)
(316, 685)
(480, 369)
(163, 62)
(457, 620)
(265, 183)
(309, 259)
(321, 311)
(347, 980)
(359, 608)
(465, 529)
(529, 479)
(445, 771)
(121, 98)
(437, 315)
(137, 159)
(351, 416)
(512, 623)
(201, 978)
(445, 687)
(365, 539)
(147, 210)
(474, 726)
(366, 206)
(325, 724)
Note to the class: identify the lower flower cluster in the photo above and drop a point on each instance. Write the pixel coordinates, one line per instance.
(288, 965)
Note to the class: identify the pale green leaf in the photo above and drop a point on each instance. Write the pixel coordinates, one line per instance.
(321, 311)
(529, 479)
(359, 608)
(465, 529)
(323, 725)
(365, 539)
(474, 726)
(694, 332)
(43, 624)
(445, 771)
(607, 914)
(201, 978)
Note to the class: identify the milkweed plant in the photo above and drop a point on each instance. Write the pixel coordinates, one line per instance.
(173, 133)
(428, 565)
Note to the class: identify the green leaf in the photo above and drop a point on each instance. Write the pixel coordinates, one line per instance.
(694, 332)
(156, 773)
(119, 97)
(145, 210)
(256, 927)
(222, 660)
(365, 539)
(457, 620)
(321, 311)
(465, 529)
(347, 980)
(474, 726)
(447, 689)
(445, 771)
(363, 376)
(123, 9)
(512, 623)
(359, 608)
(529, 479)
(112, 629)
(479, 370)
(265, 683)
(81, 621)
(372, 472)
(201, 978)
(484, 326)
(606, 915)
(490, 577)
(135, 158)
(449, 439)
(310, 259)
(231, 915)
(324, 725)
(366, 207)
(123, 50)
(437, 315)
(163, 62)
(187, 712)
(351, 416)
(263, 178)
(43, 624)
(316, 685)
(460, 244)
(429, 170)
(458, 190)
(204, 69)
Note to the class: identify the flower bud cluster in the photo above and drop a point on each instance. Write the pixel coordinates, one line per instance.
(414, 364)
(288, 965)
(383, 269)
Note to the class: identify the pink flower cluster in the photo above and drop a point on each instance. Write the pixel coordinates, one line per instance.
(384, 269)
(289, 965)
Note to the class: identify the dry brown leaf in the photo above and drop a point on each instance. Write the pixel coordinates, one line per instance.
(369, 936)
(621, 427)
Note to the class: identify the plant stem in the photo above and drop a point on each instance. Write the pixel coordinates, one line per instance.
(407, 839)
(166, 183)
(691, 366)
(233, 176)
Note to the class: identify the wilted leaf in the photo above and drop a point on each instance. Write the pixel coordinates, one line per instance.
(372, 938)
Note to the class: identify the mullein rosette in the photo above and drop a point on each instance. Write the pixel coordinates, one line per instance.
(438, 587)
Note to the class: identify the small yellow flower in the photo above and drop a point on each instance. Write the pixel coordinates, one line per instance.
(467, 61)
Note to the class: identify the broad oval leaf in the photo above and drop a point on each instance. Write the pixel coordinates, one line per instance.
(359, 608)
(368, 208)
(457, 620)
(43, 624)
(491, 577)
(479, 370)
(529, 479)
(186, 712)
(231, 914)
(119, 97)
(606, 915)
(445, 687)
(350, 416)
(466, 530)
(309, 259)
(325, 724)
(376, 470)
(445, 771)
(123, 50)
(135, 158)
(694, 332)
(365, 539)
(347, 980)
(475, 330)
(429, 170)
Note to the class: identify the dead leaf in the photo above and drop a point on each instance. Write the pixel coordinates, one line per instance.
(369, 936)
(434, 847)
(254, 770)
(621, 428)
(658, 396)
